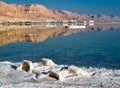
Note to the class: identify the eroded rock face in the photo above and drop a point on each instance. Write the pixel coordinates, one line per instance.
(33, 11)
(40, 12)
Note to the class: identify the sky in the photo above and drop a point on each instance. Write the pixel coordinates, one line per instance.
(93, 7)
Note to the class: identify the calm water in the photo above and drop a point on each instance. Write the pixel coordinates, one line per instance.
(94, 48)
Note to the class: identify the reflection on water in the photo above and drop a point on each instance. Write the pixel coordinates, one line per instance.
(5, 27)
(34, 33)
(103, 27)
(89, 47)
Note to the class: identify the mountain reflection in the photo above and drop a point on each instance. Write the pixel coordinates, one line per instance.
(32, 34)
(10, 34)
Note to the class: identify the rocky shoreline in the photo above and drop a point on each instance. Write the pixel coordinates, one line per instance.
(47, 74)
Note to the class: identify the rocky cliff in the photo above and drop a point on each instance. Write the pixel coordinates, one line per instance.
(34, 12)
(40, 12)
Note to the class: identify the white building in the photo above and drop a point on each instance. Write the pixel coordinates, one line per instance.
(65, 23)
(77, 27)
(51, 20)
(91, 22)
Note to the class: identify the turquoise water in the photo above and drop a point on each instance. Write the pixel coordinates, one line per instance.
(94, 48)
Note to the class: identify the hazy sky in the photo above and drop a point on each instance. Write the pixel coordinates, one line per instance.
(109, 7)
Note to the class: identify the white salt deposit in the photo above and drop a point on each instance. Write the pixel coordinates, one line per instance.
(50, 75)
(25, 65)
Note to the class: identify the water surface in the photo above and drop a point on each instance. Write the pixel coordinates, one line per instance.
(94, 48)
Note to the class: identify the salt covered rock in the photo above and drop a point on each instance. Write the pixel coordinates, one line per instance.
(35, 64)
(77, 71)
(53, 75)
(47, 62)
(40, 75)
(25, 65)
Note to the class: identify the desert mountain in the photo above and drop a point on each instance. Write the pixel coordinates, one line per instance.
(40, 12)
(35, 12)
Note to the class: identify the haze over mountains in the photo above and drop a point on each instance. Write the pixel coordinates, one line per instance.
(40, 12)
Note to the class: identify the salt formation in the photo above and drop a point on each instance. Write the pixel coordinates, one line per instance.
(50, 69)
(53, 75)
(46, 62)
(25, 65)
(47, 68)
(77, 71)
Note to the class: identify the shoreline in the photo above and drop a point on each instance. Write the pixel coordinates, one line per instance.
(68, 76)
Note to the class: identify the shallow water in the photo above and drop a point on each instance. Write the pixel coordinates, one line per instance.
(94, 48)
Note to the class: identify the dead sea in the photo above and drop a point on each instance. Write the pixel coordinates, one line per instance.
(78, 58)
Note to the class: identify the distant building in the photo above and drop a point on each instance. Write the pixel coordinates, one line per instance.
(65, 23)
(91, 22)
(85, 23)
(77, 26)
(51, 21)
(69, 23)
(73, 22)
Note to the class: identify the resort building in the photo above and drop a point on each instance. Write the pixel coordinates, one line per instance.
(91, 22)
(65, 23)
(74, 24)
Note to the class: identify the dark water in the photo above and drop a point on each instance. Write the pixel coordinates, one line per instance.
(94, 48)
